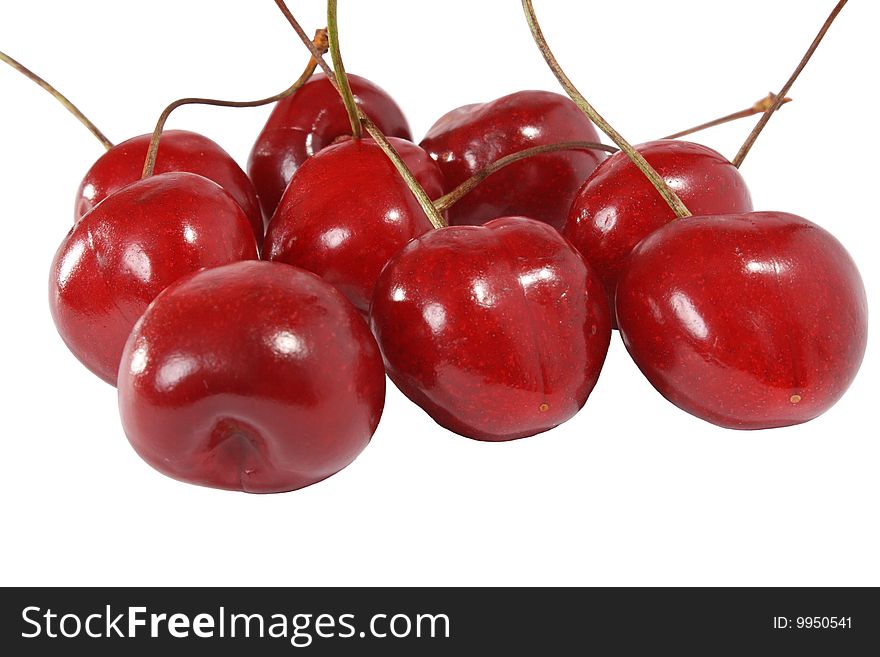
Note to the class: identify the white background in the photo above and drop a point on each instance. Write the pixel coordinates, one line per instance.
(631, 491)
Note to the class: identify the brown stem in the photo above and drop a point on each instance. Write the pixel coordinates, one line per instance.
(659, 183)
(448, 200)
(434, 216)
(341, 76)
(780, 98)
(759, 107)
(320, 44)
(61, 98)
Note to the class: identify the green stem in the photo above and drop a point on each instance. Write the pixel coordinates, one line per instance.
(434, 216)
(341, 76)
(665, 191)
(780, 97)
(320, 44)
(61, 98)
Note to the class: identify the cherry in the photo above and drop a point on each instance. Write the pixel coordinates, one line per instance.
(307, 121)
(131, 246)
(618, 206)
(469, 138)
(496, 331)
(179, 150)
(254, 376)
(748, 321)
(347, 211)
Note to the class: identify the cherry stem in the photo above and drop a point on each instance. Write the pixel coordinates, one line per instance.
(780, 97)
(759, 107)
(341, 76)
(659, 183)
(61, 98)
(434, 216)
(320, 44)
(448, 200)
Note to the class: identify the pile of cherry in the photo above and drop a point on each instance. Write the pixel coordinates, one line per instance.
(249, 320)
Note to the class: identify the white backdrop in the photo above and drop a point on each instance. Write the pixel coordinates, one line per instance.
(631, 491)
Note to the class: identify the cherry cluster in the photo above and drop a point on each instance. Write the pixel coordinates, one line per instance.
(249, 319)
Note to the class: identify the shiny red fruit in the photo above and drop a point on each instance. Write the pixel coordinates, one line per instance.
(256, 376)
(123, 253)
(468, 139)
(748, 321)
(497, 331)
(347, 211)
(309, 120)
(618, 207)
(179, 150)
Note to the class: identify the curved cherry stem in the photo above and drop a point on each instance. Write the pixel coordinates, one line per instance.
(341, 76)
(434, 216)
(759, 107)
(780, 98)
(451, 198)
(659, 183)
(61, 98)
(448, 200)
(320, 44)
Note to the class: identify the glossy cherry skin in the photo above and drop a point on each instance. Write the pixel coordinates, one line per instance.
(468, 139)
(179, 150)
(618, 207)
(748, 321)
(256, 376)
(123, 253)
(309, 120)
(347, 211)
(496, 331)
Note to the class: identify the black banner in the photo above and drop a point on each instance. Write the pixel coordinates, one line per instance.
(421, 621)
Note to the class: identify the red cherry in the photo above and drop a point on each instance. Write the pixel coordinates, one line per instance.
(749, 321)
(468, 139)
(617, 206)
(179, 150)
(255, 376)
(496, 331)
(347, 211)
(115, 261)
(309, 120)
